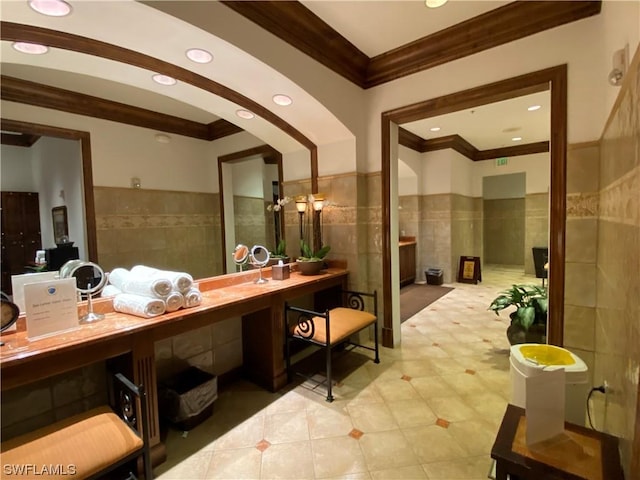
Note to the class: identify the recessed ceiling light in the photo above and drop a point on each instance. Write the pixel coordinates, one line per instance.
(434, 3)
(516, 139)
(162, 138)
(198, 55)
(52, 8)
(246, 114)
(164, 79)
(533, 108)
(283, 100)
(434, 129)
(30, 48)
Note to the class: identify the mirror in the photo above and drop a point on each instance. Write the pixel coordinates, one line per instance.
(241, 255)
(10, 313)
(90, 280)
(60, 226)
(259, 257)
(250, 181)
(174, 220)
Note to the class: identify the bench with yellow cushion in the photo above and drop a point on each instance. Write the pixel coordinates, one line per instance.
(86, 445)
(333, 327)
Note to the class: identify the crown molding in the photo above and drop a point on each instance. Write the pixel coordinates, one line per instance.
(295, 24)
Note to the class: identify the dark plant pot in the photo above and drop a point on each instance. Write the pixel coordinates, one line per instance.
(310, 268)
(537, 333)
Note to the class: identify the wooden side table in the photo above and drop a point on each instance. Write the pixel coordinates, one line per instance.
(577, 454)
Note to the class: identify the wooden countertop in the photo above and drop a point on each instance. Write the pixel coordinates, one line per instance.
(230, 295)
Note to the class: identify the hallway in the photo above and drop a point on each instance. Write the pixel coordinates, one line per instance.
(429, 410)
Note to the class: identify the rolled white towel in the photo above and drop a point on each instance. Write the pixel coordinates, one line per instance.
(174, 301)
(138, 305)
(118, 277)
(192, 298)
(147, 286)
(110, 291)
(181, 281)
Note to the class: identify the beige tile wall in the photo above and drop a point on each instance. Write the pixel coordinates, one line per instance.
(466, 229)
(504, 231)
(46, 401)
(165, 229)
(435, 234)
(252, 223)
(617, 269)
(216, 349)
(583, 162)
(536, 227)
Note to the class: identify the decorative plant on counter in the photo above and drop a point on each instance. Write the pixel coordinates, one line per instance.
(309, 255)
(277, 206)
(281, 250)
(530, 314)
(311, 262)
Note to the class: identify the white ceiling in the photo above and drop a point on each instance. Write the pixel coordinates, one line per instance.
(379, 26)
(373, 26)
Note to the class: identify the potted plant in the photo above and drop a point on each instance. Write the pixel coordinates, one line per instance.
(280, 253)
(311, 262)
(529, 319)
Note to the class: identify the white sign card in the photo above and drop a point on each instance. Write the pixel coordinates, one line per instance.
(18, 282)
(545, 405)
(51, 307)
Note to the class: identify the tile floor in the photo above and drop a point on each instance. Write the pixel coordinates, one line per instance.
(429, 410)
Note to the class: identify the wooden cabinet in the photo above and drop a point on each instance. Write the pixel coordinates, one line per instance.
(407, 260)
(20, 218)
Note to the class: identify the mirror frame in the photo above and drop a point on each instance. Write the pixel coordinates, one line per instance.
(269, 154)
(553, 79)
(60, 221)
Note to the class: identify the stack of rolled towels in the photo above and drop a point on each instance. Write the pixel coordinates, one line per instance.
(148, 292)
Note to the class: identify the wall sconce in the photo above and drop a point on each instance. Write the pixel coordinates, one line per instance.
(135, 182)
(301, 207)
(619, 67)
(318, 204)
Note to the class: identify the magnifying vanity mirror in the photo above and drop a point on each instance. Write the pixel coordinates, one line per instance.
(241, 255)
(90, 280)
(259, 258)
(9, 313)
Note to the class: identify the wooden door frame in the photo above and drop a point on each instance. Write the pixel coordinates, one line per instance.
(553, 79)
(87, 172)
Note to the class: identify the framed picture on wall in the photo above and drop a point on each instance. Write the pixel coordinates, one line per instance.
(60, 224)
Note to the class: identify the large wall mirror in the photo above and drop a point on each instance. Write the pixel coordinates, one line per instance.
(535, 188)
(170, 216)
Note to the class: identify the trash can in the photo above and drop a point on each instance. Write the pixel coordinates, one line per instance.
(529, 359)
(434, 276)
(186, 399)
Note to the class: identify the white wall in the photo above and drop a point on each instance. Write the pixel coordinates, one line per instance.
(57, 170)
(409, 171)
(537, 167)
(583, 45)
(16, 170)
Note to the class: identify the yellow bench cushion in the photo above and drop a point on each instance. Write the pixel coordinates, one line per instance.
(90, 441)
(344, 322)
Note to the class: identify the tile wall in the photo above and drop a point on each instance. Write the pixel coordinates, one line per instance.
(252, 222)
(46, 401)
(166, 229)
(583, 162)
(216, 349)
(536, 227)
(504, 231)
(617, 270)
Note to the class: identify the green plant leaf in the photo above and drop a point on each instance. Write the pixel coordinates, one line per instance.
(527, 316)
